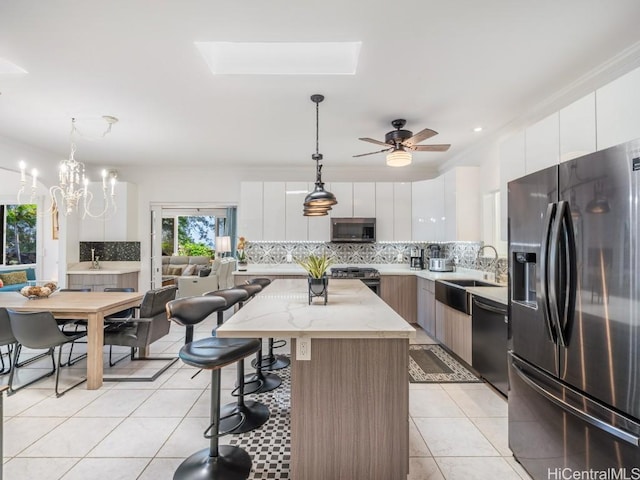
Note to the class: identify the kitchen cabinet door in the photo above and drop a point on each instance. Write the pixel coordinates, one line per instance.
(400, 293)
(512, 157)
(364, 199)
(296, 225)
(462, 203)
(426, 315)
(274, 211)
(384, 211)
(250, 210)
(402, 211)
(542, 144)
(344, 194)
(320, 227)
(427, 210)
(618, 111)
(578, 128)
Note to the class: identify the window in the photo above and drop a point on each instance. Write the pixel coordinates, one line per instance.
(189, 234)
(19, 234)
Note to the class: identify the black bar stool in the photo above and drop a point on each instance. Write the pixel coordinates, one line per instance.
(259, 382)
(270, 361)
(218, 462)
(256, 413)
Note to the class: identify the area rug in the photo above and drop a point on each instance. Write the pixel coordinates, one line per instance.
(270, 445)
(432, 364)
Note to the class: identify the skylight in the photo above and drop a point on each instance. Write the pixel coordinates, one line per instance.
(281, 58)
(7, 67)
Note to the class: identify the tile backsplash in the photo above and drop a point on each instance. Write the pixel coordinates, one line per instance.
(465, 254)
(111, 251)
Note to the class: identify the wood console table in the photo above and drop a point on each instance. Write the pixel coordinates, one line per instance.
(350, 401)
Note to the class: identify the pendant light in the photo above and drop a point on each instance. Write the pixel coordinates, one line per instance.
(318, 202)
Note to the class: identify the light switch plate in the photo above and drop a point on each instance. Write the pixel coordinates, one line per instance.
(303, 349)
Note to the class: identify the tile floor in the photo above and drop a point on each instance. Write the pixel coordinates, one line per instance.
(136, 430)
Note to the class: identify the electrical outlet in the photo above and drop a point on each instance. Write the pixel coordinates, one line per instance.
(303, 349)
(289, 258)
(400, 257)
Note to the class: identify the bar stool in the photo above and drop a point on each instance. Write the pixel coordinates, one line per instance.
(270, 361)
(259, 382)
(221, 462)
(256, 413)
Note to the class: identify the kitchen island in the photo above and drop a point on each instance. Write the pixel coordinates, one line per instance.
(350, 400)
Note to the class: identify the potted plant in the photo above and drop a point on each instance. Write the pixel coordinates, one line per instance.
(316, 266)
(241, 255)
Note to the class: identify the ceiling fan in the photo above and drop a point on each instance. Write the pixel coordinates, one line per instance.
(400, 143)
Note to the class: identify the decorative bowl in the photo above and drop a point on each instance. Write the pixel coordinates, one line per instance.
(33, 292)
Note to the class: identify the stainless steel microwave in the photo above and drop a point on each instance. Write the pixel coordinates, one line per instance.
(353, 229)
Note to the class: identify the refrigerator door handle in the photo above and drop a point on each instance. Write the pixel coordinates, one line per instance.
(569, 259)
(544, 271)
(585, 417)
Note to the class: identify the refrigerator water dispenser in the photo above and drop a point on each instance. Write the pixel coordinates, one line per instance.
(524, 279)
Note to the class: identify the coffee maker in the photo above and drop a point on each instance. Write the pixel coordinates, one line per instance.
(416, 258)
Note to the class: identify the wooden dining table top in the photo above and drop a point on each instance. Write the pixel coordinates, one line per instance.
(72, 302)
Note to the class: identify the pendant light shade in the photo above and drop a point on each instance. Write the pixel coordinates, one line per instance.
(399, 157)
(319, 202)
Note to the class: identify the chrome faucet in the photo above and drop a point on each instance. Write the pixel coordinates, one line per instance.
(95, 264)
(496, 272)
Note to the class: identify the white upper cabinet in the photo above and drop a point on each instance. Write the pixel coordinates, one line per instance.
(344, 194)
(364, 199)
(618, 110)
(578, 128)
(427, 210)
(512, 159)
(320, 227)
(402, 211)
(384, 211)
(542, 144)
(462, 204)
(250, 211)
(274, 210)
(296, 224)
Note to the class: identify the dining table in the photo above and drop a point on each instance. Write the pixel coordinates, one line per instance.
(90, 306)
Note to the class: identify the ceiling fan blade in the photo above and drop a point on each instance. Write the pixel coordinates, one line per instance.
(371, 140)
(431, 148)
(373, 153)
(420, 136)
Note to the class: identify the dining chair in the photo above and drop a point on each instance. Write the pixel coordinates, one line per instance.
(6, 339)
(39, 330)
(151, 324)
(118, 321)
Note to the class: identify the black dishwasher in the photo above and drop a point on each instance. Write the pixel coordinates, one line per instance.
(489, 342)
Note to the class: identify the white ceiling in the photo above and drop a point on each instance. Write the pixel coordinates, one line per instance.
(449, 65)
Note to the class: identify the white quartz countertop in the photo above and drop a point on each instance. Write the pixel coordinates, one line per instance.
(282, 310)
(106, 268)
(383, 268)
(497, 294)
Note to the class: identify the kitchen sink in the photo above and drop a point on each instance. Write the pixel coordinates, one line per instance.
(453, 292)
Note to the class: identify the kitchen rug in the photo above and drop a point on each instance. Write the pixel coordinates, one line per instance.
(432, 364)
(270, 445)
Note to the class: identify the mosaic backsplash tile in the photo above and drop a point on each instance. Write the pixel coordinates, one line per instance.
(464, 254)
(111, 251)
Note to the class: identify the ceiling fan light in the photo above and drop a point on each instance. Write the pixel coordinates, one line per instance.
(399, 158)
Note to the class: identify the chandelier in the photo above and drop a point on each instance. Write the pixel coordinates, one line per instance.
(72, 192)
(319, 202)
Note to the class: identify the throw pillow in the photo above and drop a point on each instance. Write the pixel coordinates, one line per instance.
(13, 278)
(189, 270)
(204, 272)
(1, 284)
(175, 271)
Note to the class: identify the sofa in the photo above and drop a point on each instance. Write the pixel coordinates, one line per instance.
(221, 277)
(175, 266)
(12, 282)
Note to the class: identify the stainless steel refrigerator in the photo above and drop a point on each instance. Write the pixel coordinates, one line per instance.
(574, 299)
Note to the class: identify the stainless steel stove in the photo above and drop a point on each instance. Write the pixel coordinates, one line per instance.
(369, 276)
